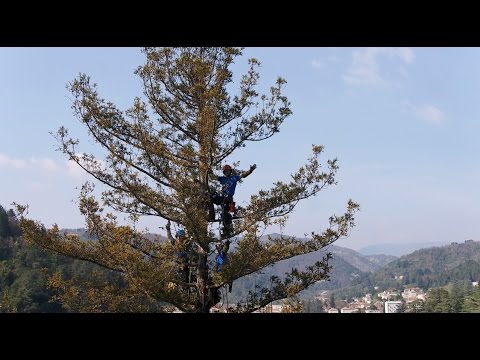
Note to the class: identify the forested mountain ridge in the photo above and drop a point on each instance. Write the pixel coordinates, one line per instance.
(365, 263)
(435, 266)
(347, 265)
(398, 249)
(424, 268)
(24, 270)
(27, 277)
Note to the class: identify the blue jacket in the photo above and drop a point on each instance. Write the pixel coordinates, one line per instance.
(221, 258)
(229, 184)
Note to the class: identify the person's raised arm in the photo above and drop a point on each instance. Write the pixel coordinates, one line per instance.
(249, 171)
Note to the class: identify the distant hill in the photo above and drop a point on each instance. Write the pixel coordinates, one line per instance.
(347, 265)
(380, 259)
(397, 249)
(85, 236)
(425, 268)
(356, 259)
(364, 263)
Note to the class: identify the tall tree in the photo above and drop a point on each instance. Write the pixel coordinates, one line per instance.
(457, 297)
(4, 223)
(472, 301)
(160, 154)
(438, 301)
(332, 300)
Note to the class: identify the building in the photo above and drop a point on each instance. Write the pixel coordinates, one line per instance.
(412, 294)
(393, 306)
(387, 294)
(270, 308)
(347, 310)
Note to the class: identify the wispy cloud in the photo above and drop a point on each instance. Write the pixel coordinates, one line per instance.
(69, 168)
(322, 62)
(365, 68)
(431, 114)
(318, 64)
(74, 170)
(7, 161)
(45, 164)
(404, 53)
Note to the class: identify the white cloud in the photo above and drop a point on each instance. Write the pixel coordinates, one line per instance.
(7, 161)
(318, 64)
(74, 170)
(365, 67)
(405, 53)
(324, 61)
(431, 114)
(45, 164)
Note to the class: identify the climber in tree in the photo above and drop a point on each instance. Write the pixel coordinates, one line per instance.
(222, 250)
(222, 259)
(181, 250)
(229, 182)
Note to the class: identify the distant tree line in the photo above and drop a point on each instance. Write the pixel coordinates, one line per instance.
(453, 298)
(426, 269)
(8, 223)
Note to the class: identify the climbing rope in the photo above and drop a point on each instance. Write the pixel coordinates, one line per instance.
(226, 296)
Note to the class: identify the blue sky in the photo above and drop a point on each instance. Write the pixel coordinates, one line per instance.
(403, 122)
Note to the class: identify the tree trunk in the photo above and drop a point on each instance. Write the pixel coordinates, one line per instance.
(205, 302)
(203, 282)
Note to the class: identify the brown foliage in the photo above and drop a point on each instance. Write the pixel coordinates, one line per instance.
(160, 154)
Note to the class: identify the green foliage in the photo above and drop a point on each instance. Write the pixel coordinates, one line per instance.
(427, 268)
(27, 283)
(23, 280)
(447, 271)
(416, 306)
(8, 223)
(471, 303)
(4, 225)
(453, 298)
(457, 298)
